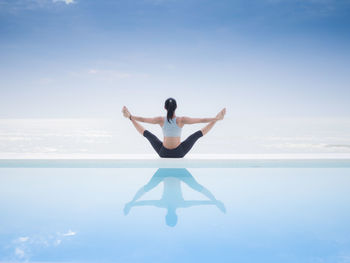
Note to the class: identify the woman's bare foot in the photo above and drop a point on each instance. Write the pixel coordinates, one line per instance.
(221, 114)
(126, 112)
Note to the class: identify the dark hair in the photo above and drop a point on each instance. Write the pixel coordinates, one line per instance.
(170, 106)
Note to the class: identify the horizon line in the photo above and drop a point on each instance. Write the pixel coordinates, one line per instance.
(280, 156)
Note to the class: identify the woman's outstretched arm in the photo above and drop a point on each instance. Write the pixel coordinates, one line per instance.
(127, 114)
(188, 120)
(155, 120)
(219, 116)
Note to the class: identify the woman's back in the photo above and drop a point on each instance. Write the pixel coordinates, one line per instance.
(172, 134)
(171, 128)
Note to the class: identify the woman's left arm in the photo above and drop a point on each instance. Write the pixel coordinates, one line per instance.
(155, 120)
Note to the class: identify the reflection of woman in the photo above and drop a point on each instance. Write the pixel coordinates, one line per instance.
(172, 195)
(172, 147)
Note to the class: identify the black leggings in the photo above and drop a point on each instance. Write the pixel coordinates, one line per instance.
(178, 152)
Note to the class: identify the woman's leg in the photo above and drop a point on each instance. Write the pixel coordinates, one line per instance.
(138, 126)
(207, 128)
(155, 142)
(189, 142)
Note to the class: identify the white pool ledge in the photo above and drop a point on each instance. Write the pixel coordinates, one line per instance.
(189, 161)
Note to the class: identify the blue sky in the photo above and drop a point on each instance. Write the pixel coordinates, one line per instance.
(62, 59)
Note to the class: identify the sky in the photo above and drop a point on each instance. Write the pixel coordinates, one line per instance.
(268, 59)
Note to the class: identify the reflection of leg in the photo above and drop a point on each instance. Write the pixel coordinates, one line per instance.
(130, 204)
(191, 182)
(155, 142)
(189, 142)
(207, 128)
(155, 180)
(138, 126)
(188, 179)
(208, 194)
(147, 187)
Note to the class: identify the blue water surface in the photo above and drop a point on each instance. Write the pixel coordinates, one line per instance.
(175, 215)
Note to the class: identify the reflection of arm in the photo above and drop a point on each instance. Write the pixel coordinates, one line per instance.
(190, 203)
(217, 203)
(131, 204)
(157, 203)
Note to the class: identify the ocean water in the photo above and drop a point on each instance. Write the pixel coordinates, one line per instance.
(264, 214)
(234, 135)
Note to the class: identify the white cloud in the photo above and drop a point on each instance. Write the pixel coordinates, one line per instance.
(69, 233)
(19, 252)
(92, 71)
(25, 246)
(66, 1)
(23, 239)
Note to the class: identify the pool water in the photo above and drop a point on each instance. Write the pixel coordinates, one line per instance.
(175, 215)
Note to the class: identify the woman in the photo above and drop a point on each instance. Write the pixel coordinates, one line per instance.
(172, 147)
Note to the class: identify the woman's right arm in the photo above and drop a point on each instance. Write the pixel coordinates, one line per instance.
(188, 120)
(155, 120)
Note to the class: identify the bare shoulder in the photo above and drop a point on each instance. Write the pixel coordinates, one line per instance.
(180, 121)
(160, 120)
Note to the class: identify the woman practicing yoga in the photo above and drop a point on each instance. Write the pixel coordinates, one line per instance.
(172, 147)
